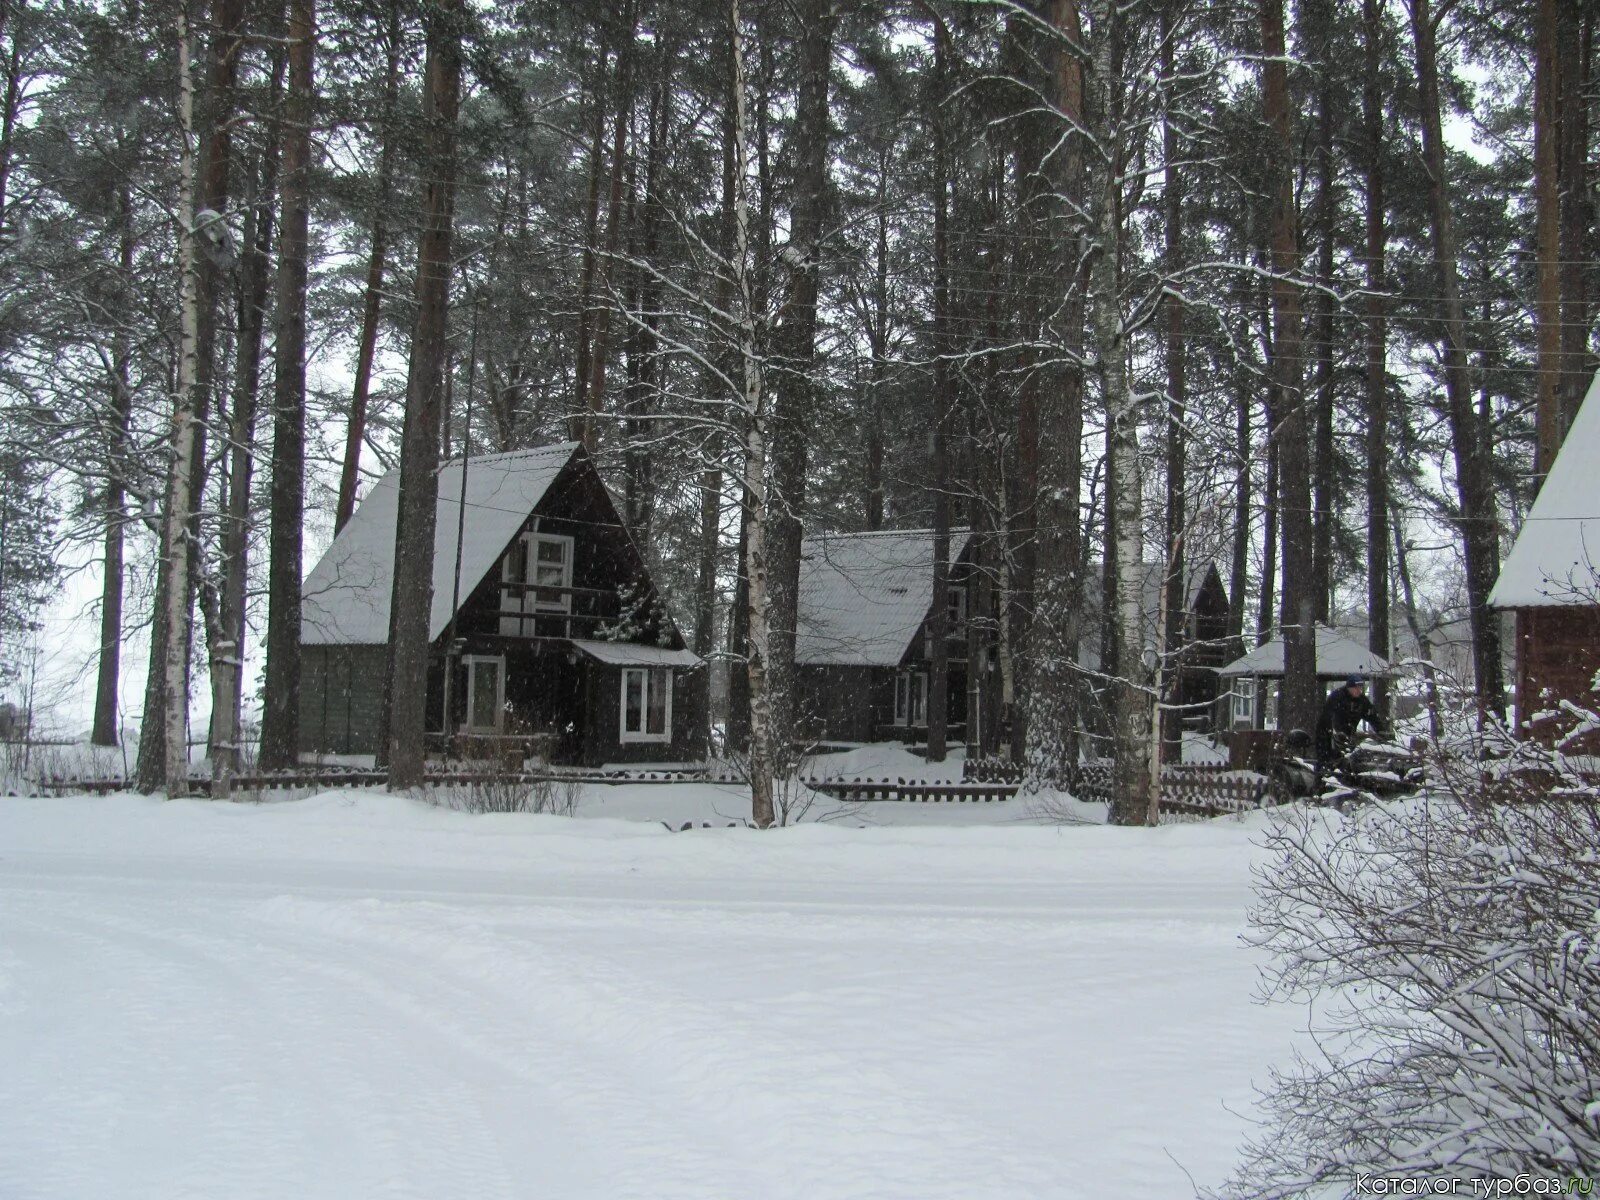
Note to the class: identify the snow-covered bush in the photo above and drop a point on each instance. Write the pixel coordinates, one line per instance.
(1449, 948)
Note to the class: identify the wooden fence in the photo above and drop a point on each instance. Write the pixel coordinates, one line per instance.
(1197, 791)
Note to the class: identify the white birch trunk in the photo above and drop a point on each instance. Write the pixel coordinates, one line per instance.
(754, 447)
(174, 541)
(1134, 798)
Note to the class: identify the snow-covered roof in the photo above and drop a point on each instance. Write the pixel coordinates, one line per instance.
(863, 596)
(1337, 657)
(346, 596)
(1556, 557)
(626, 654)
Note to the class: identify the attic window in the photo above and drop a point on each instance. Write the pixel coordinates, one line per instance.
(898, 591)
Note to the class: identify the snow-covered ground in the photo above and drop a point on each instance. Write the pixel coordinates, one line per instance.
(357, 995)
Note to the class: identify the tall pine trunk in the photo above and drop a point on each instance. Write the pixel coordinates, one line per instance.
(227, 689)
(372, 303)
(280, 726)
(1300, 700)
(1478, 518)
(795, 341)
(1050, 725)
(412, 596)
(1377, 389)
(120, 387)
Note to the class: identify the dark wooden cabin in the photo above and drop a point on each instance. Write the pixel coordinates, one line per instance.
(1551, 584)
(546, 628)
(862, 650)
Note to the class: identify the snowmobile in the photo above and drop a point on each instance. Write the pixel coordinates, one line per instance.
(1368, 769)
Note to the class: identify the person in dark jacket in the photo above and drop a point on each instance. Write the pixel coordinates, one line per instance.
(1342, 714)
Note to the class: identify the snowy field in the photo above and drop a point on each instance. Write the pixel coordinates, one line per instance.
(362, 996)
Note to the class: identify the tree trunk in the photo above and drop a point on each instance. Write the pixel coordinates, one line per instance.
(1050, 703)
(226, 689)
(1239, 568)
(1135, 797)
(1547, 238)
(1324, 483)
(753, 436)
(174, 616)
(1301, 698)
(943, 401)
(412, 596)
(797, 394)
(1575, 40)
(280, 726)
(366, 350)
(578, 423)
(1478, 515)
(1377, 384)
(120, 386)
(1176, 592)
(616, 217)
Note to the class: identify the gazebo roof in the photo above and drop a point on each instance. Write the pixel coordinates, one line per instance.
(1338, 656)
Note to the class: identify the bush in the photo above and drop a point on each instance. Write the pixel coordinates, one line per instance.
(512, 792)
(1450, 947)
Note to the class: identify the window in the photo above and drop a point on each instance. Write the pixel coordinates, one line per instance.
(957, 610)
(486, 693)
(910, 698)
(541, 559)
(550, 563)
(1244, 702)
(646, 704)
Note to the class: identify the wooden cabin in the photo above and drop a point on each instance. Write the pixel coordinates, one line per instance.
(862, 647)
(1203, 643)
(545, 630)
(1551, 584)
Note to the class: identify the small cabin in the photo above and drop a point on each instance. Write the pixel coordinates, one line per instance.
(863, 645)
(1254, 680)
(546, 630)
(1550, 583)
(1202, 641)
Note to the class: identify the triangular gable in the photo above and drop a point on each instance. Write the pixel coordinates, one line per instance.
(864, 596)
(1556, 557)
(346, 596)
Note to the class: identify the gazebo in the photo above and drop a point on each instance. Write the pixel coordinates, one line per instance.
(1254, 679)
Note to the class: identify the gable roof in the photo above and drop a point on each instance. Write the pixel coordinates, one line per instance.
(863, 596)
(1556, 557)
(345, 599)
(1337, 657)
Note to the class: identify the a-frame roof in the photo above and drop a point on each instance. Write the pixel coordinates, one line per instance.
(1556, 557)
(864, 596)
(346, 596)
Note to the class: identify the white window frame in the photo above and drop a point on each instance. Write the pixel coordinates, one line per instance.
(563, 602)
(1243, 703)
(910, 698)
(662, 676)
(470, 663)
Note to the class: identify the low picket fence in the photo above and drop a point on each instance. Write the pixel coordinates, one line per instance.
(1196, 791)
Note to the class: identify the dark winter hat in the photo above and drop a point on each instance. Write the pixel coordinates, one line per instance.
(1355, 681)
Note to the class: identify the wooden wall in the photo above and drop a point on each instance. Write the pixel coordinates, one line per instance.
(1558, 655)
(341, 690)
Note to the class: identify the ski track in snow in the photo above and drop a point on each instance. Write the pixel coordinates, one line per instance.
(380, 1000)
